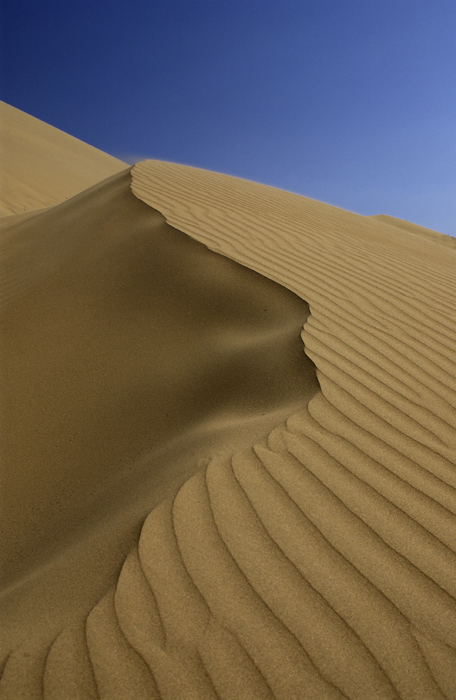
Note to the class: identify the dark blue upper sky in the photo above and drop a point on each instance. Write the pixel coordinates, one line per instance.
(352, 102)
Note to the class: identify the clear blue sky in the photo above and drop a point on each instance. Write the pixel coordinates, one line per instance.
(352, 102)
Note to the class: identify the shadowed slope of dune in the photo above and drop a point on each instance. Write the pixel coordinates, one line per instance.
(316, 561)
(131, 355)
(41, 165)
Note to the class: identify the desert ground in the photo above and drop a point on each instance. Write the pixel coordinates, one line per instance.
(228, 437)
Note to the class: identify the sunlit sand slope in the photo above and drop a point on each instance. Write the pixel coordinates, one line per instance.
(434, 236)
(368, 473)
(319, 563)
(41, 165)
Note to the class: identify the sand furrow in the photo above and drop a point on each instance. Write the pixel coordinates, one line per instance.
(388, 403)
(392, 484)
(183, 611)
(402, 533)
(394, 436)
(22, 675)
(419, 598)
(372, 616)
(234, 545)
(235, 604)
(441, 660)
(383, 454)
(390, 276)
(401, 373)
(226, 661)
(374, 363)
(69, 671)
(428, 375)
(381, 334)
(118, 669)
(328, 640)
(294, 211)
(276, 211)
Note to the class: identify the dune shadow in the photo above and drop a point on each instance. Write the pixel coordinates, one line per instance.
(132, 354)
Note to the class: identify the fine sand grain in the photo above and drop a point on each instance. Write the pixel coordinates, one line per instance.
(228, 433)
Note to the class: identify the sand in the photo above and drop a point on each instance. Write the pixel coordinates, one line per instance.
(435, 236)
(228, 438)
(41, 166)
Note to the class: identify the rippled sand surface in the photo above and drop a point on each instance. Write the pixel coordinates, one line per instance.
(229, 446)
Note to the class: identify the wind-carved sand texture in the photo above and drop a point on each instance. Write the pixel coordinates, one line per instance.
(435, 236)
(203, 505)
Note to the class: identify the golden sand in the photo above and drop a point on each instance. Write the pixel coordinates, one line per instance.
(435, 236)
(41, 165)
(229, 443)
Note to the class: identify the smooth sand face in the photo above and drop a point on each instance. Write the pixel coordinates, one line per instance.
(42, 166)
(200, 503)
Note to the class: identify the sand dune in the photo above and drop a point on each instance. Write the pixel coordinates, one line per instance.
(435, 236)
(42, 166)
(230, 447)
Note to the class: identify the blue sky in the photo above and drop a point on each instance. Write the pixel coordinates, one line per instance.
(351, 102)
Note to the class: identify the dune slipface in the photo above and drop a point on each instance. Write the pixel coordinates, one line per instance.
(200, 503)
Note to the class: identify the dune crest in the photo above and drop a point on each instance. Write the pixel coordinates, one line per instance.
(315, 557)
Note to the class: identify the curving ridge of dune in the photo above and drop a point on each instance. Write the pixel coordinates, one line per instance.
(297, 539)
